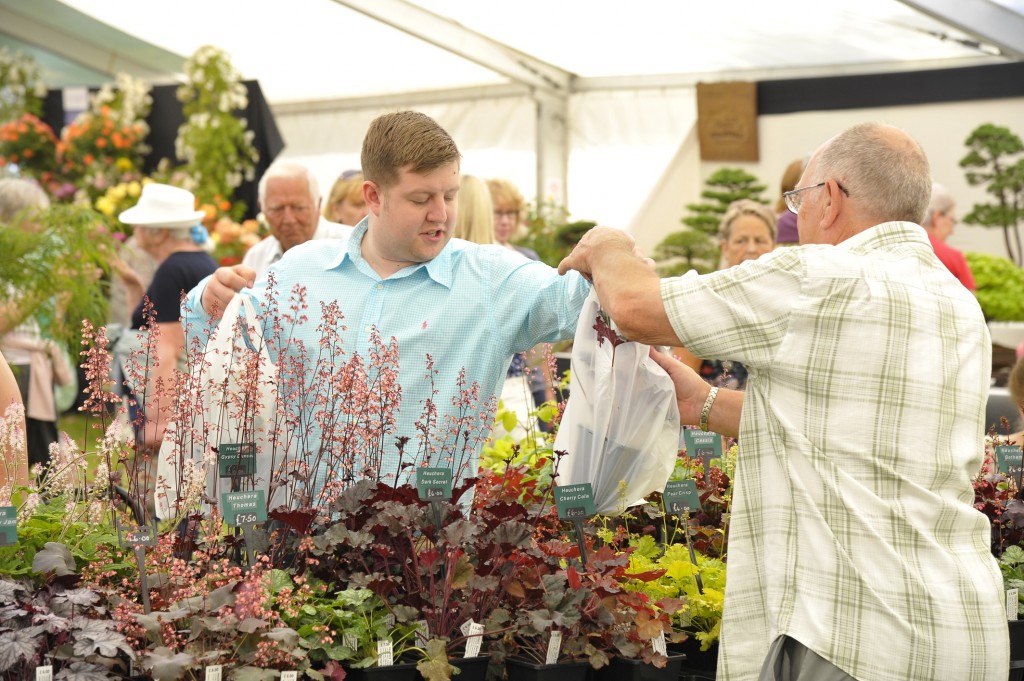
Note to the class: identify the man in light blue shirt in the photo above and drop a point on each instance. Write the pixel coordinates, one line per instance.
(458, 311)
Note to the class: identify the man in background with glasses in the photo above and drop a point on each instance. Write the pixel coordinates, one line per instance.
(289, 197)
(854, 548)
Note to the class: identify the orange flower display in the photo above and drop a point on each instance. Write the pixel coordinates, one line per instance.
(31, 144)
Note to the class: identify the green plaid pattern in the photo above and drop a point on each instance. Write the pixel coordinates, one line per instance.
(852, 527)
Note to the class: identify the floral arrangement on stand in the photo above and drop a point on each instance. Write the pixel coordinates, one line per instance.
(105, 145)
(232, 239)
(22, 88)
(28, 144)
(215, 145)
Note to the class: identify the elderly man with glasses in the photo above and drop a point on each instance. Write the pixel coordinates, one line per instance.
(854, 549)
(289, 197)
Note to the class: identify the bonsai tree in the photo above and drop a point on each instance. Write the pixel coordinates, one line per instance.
(995, 161)
(696, 248)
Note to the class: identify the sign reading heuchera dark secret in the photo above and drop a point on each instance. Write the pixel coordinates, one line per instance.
(575, 501)
(434, 484)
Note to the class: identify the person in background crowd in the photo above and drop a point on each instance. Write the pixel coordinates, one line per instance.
(475, 222)
(14, 468)
(863, 352)
(468, 307)
(786, 220)
(747, 232)
(939, 222)
(167, 227)
(345, 203)
(1015, 386)
(38, 363)
(289, 198)
(475, 218)
(508, 213)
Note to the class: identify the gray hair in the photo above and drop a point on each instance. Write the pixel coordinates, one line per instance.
(882, 168)
(287, 169)
(941, 202)
(742, 207)
(17, 195)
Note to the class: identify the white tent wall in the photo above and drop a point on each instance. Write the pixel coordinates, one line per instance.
(495, 136)
(941, 129)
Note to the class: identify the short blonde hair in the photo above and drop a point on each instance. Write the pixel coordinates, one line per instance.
(474, 220)
(505, 196)
(346, 188)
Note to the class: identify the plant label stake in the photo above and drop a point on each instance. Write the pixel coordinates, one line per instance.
(236, 460)
(576, 502)
(554, 648)
(245, 510)
(44, 672)
(8, 526)
(680, 497)
(703, 446)
(290, 676)
(1011, 604)
(434, 485)
(213, 673)
(1008, 460)
(474, 634)
(138, 539)
(385, 653)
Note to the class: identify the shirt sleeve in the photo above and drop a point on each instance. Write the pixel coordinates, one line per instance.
(533, 304)
(742, 313)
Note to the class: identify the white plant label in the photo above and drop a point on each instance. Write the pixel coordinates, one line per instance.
(385, 653)
(290, 676)
(466, 627)
(475, 639)
(554, 647)
(422, 634)
(1011, 604)
(350, 641)
(44, 673)
(658, 643)
(214, 672)
(389, 620)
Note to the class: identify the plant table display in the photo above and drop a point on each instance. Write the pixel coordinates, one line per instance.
(418, 578)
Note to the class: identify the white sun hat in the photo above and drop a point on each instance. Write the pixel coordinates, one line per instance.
(162, 205)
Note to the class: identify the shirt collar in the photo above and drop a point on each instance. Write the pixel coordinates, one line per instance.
(439, 269)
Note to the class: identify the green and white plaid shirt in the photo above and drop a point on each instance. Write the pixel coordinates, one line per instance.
(852, 526)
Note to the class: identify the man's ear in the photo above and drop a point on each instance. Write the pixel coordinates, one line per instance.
(833, 207)
(373, 195)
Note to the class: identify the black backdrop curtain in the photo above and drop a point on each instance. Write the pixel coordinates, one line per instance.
(166, 117)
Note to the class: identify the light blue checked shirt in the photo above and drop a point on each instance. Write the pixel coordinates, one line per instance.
(472, 307)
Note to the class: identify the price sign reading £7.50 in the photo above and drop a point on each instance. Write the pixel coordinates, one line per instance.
(244, 508)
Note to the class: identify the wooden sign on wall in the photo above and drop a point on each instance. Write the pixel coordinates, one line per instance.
(727, 121)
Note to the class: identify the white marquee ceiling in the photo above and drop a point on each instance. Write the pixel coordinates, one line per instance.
(307, 50)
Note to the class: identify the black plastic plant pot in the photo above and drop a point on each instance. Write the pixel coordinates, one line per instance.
(394, 672)
(522, 669)
(627, 669)
(471, 668)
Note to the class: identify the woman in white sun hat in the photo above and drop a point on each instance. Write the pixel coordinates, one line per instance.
(169, 228)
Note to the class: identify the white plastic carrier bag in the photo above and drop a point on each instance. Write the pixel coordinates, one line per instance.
(236, 414)
(620, 428)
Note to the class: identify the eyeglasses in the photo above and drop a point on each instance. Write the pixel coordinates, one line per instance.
(298, 210)
(498, 214)
(794, 200)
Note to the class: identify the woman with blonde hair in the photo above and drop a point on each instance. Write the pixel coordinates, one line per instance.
(345, 203)
(474, 220)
